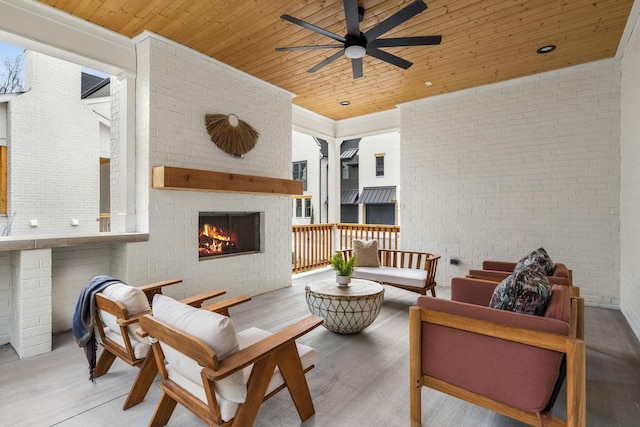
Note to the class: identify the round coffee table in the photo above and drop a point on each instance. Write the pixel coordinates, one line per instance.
(345, 310)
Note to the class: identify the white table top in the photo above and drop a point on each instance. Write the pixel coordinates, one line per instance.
(357, 287)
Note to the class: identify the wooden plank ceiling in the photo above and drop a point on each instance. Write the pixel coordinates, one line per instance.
(483, 41)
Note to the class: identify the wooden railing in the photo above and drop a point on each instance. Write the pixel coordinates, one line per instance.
(386, 235)
(313, 245)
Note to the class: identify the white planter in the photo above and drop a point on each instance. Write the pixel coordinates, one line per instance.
(343, 280)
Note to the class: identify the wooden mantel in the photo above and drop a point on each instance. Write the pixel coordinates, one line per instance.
(171, 178)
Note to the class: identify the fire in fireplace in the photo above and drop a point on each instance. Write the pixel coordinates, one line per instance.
(228, 233)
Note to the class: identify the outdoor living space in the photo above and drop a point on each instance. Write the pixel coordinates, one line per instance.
(360, 379)
(497, 153)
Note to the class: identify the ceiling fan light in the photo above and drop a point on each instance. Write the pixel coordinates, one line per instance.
(355, 51)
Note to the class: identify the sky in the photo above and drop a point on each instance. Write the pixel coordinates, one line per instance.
(7, 50)
(10, 51)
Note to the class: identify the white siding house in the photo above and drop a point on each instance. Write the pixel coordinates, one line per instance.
(306, 154)
(379, 171)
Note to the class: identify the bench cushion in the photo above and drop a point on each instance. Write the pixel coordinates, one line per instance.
(401, 276)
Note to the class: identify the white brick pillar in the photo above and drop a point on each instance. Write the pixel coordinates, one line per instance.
(127, 153)
(31, 302)
(335, 171)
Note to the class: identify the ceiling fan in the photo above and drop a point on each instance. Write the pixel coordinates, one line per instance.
(355, 44)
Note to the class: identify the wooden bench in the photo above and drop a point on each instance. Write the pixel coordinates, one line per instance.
(410, 270)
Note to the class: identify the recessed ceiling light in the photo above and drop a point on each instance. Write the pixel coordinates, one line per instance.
(345, 103)
(546, 49)
(428, 83)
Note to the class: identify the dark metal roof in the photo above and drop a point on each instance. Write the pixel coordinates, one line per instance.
(347, 154)
(348, 197)
(90, 84)
(378, 195)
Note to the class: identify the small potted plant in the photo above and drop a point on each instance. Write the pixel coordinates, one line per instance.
(343, 268)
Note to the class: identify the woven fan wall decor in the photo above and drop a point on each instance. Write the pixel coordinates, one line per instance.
(231, 134)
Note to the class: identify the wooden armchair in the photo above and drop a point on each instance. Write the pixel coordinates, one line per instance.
(511, 363)
(118, 310)
(220, 376)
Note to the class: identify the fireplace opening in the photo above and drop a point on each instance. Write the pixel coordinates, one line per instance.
(228, 233)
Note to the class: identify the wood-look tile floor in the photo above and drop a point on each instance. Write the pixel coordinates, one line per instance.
(359, 380)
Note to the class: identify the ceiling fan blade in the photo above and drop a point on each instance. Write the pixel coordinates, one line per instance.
(326, 61)
(313, 28)
(351, 13)
(396, 19)
(320, 46)
(356, 65)
(407, 41)
(387, 57)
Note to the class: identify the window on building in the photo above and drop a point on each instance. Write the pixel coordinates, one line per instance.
(298, 208)
(300, 173)
(379, 164)
(345, 170)
(307, 208)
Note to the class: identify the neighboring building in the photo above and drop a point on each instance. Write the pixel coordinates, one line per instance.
(369, 176)
(370, 172)
(379, 159)
(96, 94)
(48, 131)
(309, 165)
(349, 178)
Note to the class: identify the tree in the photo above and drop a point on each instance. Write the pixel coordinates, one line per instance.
(11, 78)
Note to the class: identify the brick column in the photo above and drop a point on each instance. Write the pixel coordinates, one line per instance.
(31, 304)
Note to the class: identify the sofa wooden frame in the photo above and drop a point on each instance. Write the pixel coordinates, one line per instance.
(402, 259)
(572, 345)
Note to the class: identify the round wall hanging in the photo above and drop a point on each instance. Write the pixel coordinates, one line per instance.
(231, 134)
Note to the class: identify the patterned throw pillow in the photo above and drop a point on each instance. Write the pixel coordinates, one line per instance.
(366, 253)
(527, 290)
(540, 257)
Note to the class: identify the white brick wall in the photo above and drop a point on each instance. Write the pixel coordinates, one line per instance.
(175, 88)
(71, 269)
(630, 183)
(31, 304)
(497, 171)
(5, 299)
(54, 152)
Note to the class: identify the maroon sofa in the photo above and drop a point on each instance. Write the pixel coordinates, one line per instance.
(500, 270)
(507, 362)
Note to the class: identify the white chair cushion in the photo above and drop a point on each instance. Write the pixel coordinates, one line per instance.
(140, 349)
(216, 330)
(245, 338)
(133, 299)
(401, 276)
